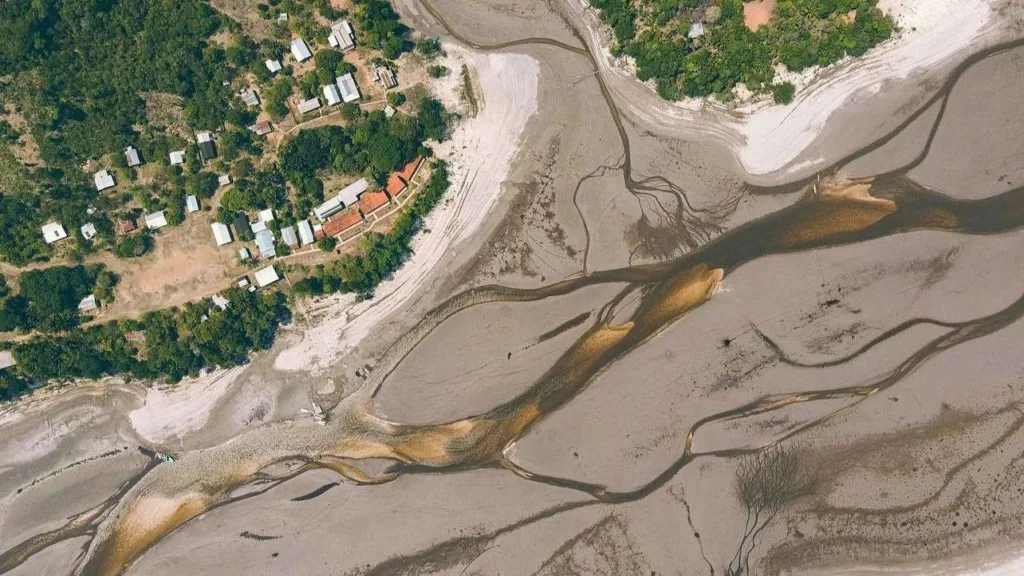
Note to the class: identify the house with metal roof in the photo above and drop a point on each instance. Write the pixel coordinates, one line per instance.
(192, 203)
(385, 76)
(177, 157)
(88, 230)
(6, 359)
(53, 232)
(103, 180)
(288, 236)
(258, 226)
(306, 232)
(331, 94)
(132, 155)
(267, 215)
(265, 242)
(273, 65)
(250, 97)
(308, 105)
(88, 304)
(221, 233)
(266, 276)
(342, 36)
(243, 253)
(220, 302)
(329, 207)
(206, 148)
(350, 194)
(242, 228)
(347, 85)
(224, 180)
(300, 51)
(156, 220)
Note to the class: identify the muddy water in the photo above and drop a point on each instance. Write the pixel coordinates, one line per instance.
(829, 214)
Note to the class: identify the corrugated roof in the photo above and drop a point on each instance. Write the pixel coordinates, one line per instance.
(350, 194)
(395, 185)
(289, 237)
(103, 180)
(265, 276)
(221, 234)
(265, 242)
(371, 201)
(53, 231)
(349, 89)
(329, 207)
(156, 220)
(306, 232)
(343, 222)
(192, 203)
(299, 49)
(331, 94)
(308, 105)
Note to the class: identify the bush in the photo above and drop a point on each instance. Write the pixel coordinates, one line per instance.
(135, 245)
(396, 98)
(783, 93)
(429, 47)
(327, 243)
(437, 71)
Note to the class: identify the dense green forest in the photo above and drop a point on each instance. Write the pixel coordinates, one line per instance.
(47, 299)
(380, 254)
(801, 33)
(176, 343)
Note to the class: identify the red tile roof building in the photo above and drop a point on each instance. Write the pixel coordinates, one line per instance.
(395, 185)
(410, 169)
(342, 222)
(372, 201)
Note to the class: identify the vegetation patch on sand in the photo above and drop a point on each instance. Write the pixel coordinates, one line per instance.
(692, 48)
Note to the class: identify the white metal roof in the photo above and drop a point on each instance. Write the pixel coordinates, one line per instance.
(300, 50)
(250, 97)
(329, 207)
(224, 179)
(88, 231)
(308, 105)
(53, 232)
(6, 359)
(220, 302)
(350, 194)
(258, 226)
(273, 65)
(203, 137)
(177, 157)
(88, 304)
(306, 232)
(331, 94)
(243, 253)
(267, 215)
(132, 155)
(289, 237)
(266, 276)
(243, 282)
(192, 203)
(221, 234)
(103, 180)
(265, 242)
(347, 85)
(156, 220)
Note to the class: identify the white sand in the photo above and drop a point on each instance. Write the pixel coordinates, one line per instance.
(479, 155)
(171, 412)
(766, 137)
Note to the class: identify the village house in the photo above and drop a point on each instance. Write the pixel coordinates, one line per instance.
(265, 242)
(262, 128)
(224, 180)
(177, 157)
(221, 233)
(308, 105)
(274, 66)
(288, 237)
(126, 226)
(206, 147)
(53, 232)
(347, 85)
(370, 202)
(243, 254)
(266, 276)
(300, 51)
(156, 220)
(192, 203)
(132, 155)
(331, 94)
(346, 220)
(385, 76)
(250, 97)
(103, 180)
(342, 36)
(88, 230)
(306, 232)
(88, 304)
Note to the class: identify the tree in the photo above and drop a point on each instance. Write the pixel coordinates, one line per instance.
(327, 243)
(396, 98)
(783, 92)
